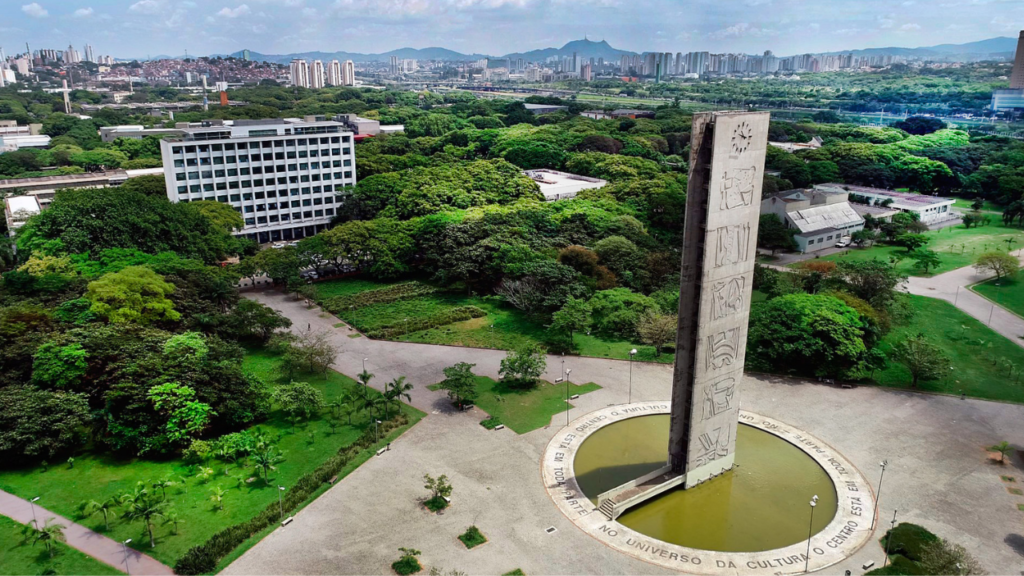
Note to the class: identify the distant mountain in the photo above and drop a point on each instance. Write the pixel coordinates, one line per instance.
(1002, 47)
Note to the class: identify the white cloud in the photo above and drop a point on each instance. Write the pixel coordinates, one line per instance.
(145, 7)
(309, 12)
(910, 26)
(741, 29)
(241, 10)
(84, 12)
(35, 10)
(887, 21)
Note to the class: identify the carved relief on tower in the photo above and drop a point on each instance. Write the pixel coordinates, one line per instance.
(732, 244)
(723, 348)
(737, 189)
(712, 445)
(728, 297)
(719, 398)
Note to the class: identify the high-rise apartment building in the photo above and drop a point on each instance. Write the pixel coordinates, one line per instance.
(1017, 76)
(88, 53)
(317, 76)
(299, 73)
(348, 73)
(587, 73)
(287, 179)
(334, 73)
(395, 66)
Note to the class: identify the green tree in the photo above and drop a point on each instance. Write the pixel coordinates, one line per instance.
(1003, 448)
(174, 518)
(773, 235)
(911, 241)
(135, 294)
(59, 366)
(186, 417)
(926, 259)
(108, 508)
(521, 367)
(657, 329)
(37, 424)
(266, 459)
(619, 255)
(220, 214)
(999, 263)
(923, 359)
(573, 317)
(618, 310)
(944, 557)
(395, 391)
(49, 534)
(250, 318)
(460, 383)
(299, 400)
(140, 505)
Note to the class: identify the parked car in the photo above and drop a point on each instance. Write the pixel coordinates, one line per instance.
(278, 245)
(843, 242)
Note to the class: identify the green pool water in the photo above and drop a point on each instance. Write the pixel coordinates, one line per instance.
(761, 504)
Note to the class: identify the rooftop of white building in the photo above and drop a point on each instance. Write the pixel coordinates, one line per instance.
(557, 185)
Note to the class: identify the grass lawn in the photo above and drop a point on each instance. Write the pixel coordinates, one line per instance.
(504, 327)
(973, 348)
(1007, 292)
(20, 557)
(97, 476)
(956, 247)
(524, 410)
(990, 208)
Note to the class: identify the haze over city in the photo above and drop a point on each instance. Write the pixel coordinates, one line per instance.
(135, 28)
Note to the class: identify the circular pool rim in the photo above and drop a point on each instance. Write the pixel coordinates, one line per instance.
(849, 529)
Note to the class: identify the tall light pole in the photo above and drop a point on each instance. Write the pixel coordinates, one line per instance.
(376, 433)
(280, 504)
(888, 539)
(632, 353)
(810, 531)
(878, 496)
(567, 372)
(31, 504)
(124, 546)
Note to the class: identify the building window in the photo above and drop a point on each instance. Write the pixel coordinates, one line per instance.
(182, 189)
(250, 221)
(222, 199)
(180, 176)
(236, 198)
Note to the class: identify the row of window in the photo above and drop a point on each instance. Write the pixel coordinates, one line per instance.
(271, 219)
(266, 157)
(285, 205)
(192, 149)
(259, 170)
(281, 181)
(194, 188)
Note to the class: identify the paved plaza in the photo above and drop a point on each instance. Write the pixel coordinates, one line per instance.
(938, 475)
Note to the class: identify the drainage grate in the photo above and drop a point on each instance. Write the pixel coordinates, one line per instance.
(550, 529)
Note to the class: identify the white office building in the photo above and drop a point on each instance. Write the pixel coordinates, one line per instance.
(299, 71)
(317, 75)
(287, 178)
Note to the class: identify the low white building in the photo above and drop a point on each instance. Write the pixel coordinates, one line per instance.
(819, 218)
(555, 185)
(17, 211)
(929, 209)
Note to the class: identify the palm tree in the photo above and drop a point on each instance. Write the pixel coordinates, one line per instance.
(266, 459)
(217, 495)
(162, 486)
(1003, 448)
(364, 378)
(394, 391)
(48, 535)
(107, 508)
(372, 402)
(172, 517)
(142, 506)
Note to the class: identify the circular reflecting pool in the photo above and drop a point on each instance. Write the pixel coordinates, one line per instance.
(761, 504)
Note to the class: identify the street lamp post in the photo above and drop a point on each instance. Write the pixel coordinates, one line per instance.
(280, 504)
(124, 546)
(810, 530)
(878, 496)
(376, 433)
(567, 372)
(888, 540)
(629, 399)
(31, 504)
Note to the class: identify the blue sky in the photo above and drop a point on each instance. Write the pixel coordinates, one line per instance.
(136, 28)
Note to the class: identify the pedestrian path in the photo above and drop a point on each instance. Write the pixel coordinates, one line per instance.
(81, 538)
(953, 286)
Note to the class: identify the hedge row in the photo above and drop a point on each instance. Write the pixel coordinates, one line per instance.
(203, 559)
(393, 293)
(440, 319)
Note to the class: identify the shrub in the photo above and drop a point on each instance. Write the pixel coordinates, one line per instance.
(436, 504)
(908, 540)
(472, 537)
(898, 566)
(203, 558)
(433, 321)
(491, 423)
(393, 293)
(407, 564)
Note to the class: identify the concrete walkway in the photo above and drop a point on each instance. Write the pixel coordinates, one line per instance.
(83, 539)
(952, 287)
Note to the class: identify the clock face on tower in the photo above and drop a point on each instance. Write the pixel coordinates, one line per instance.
(741, 137)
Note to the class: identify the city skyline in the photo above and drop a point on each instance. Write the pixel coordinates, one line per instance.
(135, 29)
